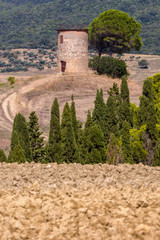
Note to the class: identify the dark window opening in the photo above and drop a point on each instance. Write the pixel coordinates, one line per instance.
(61, 38)
(63, 66)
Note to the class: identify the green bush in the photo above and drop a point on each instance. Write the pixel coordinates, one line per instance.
(11, 80)
(110, 66)
(143, 63)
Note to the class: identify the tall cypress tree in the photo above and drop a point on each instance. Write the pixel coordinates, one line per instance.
(147, 115)
(69, 147)
(151, 122)
(20, 136)
(111, 118)
(36, 141)
(126, 145)
(18, 154)
(74, 119)
(145, 100)
(124, 106)
(99, 110)
(54, 143)
(96, 146)
(84, 146)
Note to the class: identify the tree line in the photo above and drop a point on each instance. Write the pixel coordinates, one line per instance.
(116, 131)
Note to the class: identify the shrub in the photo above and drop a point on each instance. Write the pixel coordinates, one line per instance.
(11, 80)
(143, 63)
(110, 66)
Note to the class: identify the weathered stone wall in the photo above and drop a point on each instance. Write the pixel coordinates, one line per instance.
(73, 50)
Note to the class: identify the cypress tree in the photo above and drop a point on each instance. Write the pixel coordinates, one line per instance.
(20, 136)
(83, 147)
(54, 143)
(99, 111)
(145, 100)
(111, 118)
(88, 122)
(114, 153)
(126, 145)
(18, 154)
(124, 105)
(96, 146)
(2, 156)
(147, 115)
(74, 119)
(14, 139)
(36, 141)
(151, 122)
(125, 91)
(69, 146)
(114, 92)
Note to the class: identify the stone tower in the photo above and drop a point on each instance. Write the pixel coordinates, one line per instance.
(72, 51)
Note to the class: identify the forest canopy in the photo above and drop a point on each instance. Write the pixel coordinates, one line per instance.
(33, 24)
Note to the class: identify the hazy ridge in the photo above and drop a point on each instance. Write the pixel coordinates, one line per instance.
(33, 23)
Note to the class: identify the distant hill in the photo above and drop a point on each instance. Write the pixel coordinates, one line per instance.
(33, 23)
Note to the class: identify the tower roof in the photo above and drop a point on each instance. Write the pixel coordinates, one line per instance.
(72, 29)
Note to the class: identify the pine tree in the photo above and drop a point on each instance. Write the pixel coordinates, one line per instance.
(126, 145)
(69, 147)
(36, 141)
(54, 143)
(2, 156)
(20, 136)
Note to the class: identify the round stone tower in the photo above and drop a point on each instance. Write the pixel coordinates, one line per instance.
(72, 51)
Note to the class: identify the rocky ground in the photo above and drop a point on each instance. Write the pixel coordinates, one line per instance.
(94, 202)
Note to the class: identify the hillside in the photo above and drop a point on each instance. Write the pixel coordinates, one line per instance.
(34, 85)
(33, 23)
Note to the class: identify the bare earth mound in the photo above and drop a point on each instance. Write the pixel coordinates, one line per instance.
(95, 202)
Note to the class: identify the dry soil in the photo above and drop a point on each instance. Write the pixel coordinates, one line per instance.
(93, 202)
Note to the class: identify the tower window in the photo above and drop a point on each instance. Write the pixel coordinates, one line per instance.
(61, 38)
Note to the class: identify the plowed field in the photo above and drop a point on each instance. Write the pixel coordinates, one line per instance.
(98, 202)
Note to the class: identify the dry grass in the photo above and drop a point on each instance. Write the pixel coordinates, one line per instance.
(36, 91)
